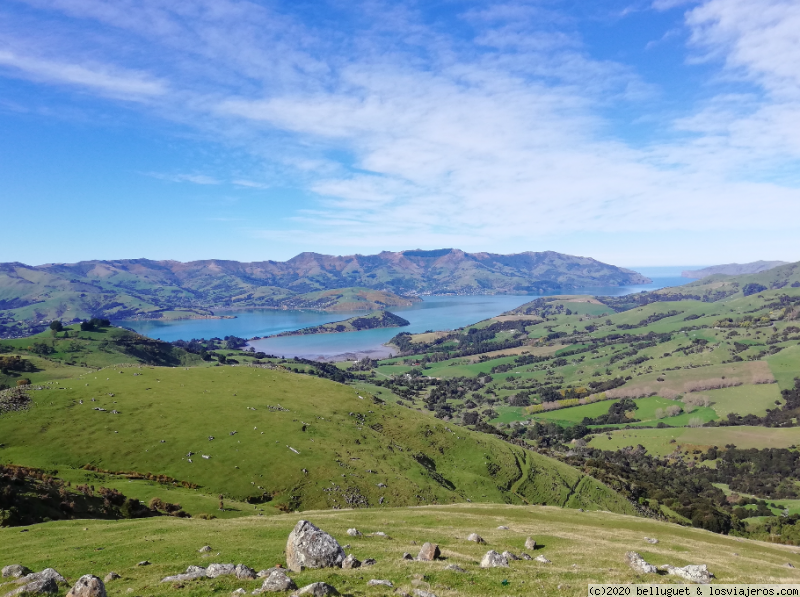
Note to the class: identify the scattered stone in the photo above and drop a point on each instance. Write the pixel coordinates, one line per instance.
(317, 589)
(510, 556)
(46, 574)
(351, 562)
(697, 573)
(369, 562)
(502, 528)
(239, 591)
(192, 572)
(310, 547)
(204, 549)
(380, 583)
(476, 538)
(422, 593)
(35, 587)
(143, 563)
(492, 559)
(542, 559)
(407, 556)
(651, 540)
(530, 544)
(379, 534)
(354, 532)
(277, 581)
(244, 572)
(15, 571)
(454, 568)
(429, 552)
(111, 576)
(525, 556)
(789, 565)
(88, 586)
(638, 565)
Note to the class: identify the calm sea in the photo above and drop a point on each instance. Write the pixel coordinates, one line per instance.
(433, 313)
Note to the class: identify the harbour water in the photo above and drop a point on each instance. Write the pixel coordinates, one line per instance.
(432, 313)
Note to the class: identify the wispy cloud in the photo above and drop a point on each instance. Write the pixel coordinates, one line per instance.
(201, 179)
(105, 79)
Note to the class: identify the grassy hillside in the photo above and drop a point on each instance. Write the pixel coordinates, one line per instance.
(288, 440)
(583, 548)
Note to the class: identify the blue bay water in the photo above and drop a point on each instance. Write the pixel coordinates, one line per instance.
(433, 313)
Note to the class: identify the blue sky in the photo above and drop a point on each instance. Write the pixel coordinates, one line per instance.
(642, 133)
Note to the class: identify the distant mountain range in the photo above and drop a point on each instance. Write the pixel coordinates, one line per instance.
(733, 269)
(142, 288)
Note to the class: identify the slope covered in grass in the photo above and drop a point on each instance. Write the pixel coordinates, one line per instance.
(294, 441)
(583, 547)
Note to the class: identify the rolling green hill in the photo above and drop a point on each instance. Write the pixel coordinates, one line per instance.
(582, 547)
(290, 441)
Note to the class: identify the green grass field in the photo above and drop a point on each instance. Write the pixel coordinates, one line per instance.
(743, 400)
(328, 449)
(657, 441)
(583, 547)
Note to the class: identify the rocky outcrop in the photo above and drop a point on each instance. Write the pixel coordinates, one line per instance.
(192, 572)
(696, 573)
(310, 547)
(429, 552)
(88, 585)
(638, 564)
(492, 559)
(276, 581)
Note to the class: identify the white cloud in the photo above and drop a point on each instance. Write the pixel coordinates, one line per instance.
(116, 82)
(201, 179)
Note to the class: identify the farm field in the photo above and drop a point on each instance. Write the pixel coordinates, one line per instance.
(658, 441)
(584, 547)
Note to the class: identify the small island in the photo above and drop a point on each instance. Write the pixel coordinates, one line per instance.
(381, 319)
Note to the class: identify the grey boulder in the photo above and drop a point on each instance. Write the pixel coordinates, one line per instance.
(351, 562)
(243, 572)
(696, 573)
(525, 556)
(476, 538)
(310, 547)
(510, 556)
(46, 574)
(317, 589)
(354, 532)
(530, 544)
(15, 571)
(542, 559)
(215, 570)
(35, 587)
(88, 585)
(111, 576)
(638, 564)
(429, 552)
(277, 581)
(492, 559)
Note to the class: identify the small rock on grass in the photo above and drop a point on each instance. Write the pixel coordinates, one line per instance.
(429, 552)
(369, 562)
(354, 532)
(143, 563)
(310, 547)
(525, 556)
(204, 549)
(88, 586)
(15, 571)
(317, 589)
(379, 583)
(454, 568)
(697, 573)
(530, 543)
(638, 565)
(351, 562)
(423, 593)
(244, 572)
(277, 581)
(239, 591)
(476, 538)
(651, 540)
(111, 576)
(492, 559)
(542, 559)
(502, 528)
(510, 556)
(407, 556)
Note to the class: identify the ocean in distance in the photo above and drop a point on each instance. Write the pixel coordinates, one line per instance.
(433, 313)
